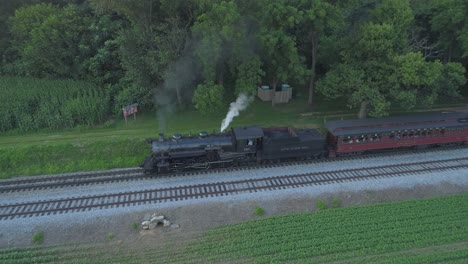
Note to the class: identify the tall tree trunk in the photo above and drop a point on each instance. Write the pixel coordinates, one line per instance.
(220, 78)
(179, 98)
(363, 109)
(311, 89)
(314, 41)
(450, 51)
(273, 91)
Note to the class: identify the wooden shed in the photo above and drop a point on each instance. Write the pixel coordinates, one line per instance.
(281, 95)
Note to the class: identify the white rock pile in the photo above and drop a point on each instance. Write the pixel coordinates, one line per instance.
(154, 220)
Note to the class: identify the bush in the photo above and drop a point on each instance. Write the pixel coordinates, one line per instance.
(38, 238)
(208, 98)
(135, 225)
(259, 211)
(336, 203)
(109, 124)
(110, 235)
(321, 205)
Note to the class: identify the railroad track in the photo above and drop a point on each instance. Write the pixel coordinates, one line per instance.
(69, 179)
(106, 201)
(132, 174)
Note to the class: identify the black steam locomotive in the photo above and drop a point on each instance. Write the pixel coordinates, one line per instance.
(241, 146)
(253, 144)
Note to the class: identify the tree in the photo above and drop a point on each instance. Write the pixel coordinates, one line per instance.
(155, 49)
(219, 33)
(224, 50)
(7, 54)
(279, 53)
(102, 63)
(318, 18)
(450, 21)
(208, 97)
(377, 68)
(248, 76)
(48, 40)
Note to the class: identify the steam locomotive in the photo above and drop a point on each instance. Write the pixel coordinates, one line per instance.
(253, 144)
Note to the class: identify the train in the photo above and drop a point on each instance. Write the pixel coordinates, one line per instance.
(248, 145)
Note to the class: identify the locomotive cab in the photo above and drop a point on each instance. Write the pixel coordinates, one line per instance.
(248, 139)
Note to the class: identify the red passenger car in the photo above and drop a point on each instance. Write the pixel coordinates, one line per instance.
(361, 135)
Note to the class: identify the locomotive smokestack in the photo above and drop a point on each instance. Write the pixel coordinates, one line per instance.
(161, 137)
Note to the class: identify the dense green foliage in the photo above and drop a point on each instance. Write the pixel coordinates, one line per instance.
(34, 104)
(383, 233)
(169, 55)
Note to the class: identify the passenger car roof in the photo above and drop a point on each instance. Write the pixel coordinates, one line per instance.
(395, 123)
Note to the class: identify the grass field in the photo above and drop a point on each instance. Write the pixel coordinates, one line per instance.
(121, 144)
(419, 231)
(117, 144)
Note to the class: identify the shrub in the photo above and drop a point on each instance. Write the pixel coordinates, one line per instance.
(135, 225)
(208, 98)
(38, 238)
(259, 211)
(336, 203)
(110, 235)
(321, 205)
(109, 124)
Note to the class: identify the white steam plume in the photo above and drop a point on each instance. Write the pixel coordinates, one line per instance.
(239, 105)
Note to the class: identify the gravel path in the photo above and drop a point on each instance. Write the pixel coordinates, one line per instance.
(25, 227)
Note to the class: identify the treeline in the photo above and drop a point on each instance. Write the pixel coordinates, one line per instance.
(168, 54)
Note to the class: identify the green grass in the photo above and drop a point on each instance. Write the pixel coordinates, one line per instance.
(38, 238)
(417, 231)
(321, 205)
(258, 211)
(336, 203)
(69, 157)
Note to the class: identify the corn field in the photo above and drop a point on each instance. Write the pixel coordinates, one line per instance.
(30, 104)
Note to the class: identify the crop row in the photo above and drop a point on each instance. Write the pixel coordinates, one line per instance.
(357, 215)
(33, 104)
(344, 232)
(400, 226)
